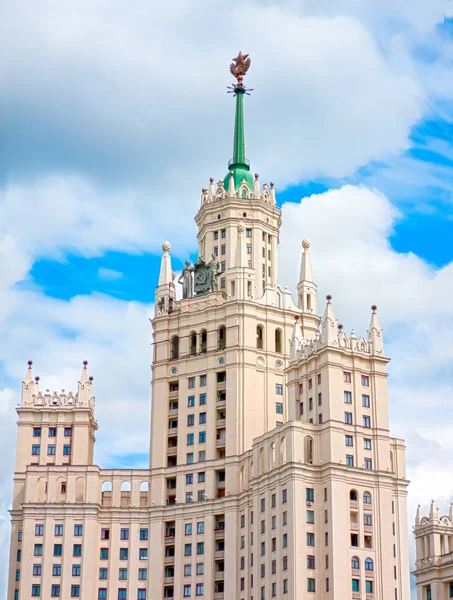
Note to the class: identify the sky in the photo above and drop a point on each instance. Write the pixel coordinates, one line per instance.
(113, 118)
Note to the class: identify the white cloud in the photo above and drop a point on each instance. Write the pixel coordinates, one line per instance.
(109, 274)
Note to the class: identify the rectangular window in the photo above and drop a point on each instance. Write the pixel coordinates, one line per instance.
(369, 588)
(51, 450)
(349, 460)
(58, 530)
(320, 399)
(356, 585)
(310, 516)
(279, 389)
(201, 477)
(103, 573)
(284, 518)
(365, 380)
(200, 589)
(37, 570)
(309, 494)
(311, 585)
(200, 568)
(368, 464)
(77, 550)
(223, 249)
(310, 561)
(190, 439)
(285, 540)
(248, 233)
(188, 529)
(66, 449)
(223, 233)
(36, 450)
(143, 553)
(347, 377)
(284, 496)
(189, 478)
(187, 591)
(367, 444)
(285, 563)
(349, 440)
(249, 248)
(122, 594)
(202, 419)
(348, 418)
(122, 574)
(143, 534)
(222, 266)
(55, 591)
(142, 574)
(57, 549)
(263, 504)
(102, 593)
(279, 408)
(187, 570)
(200, 548)
(124, 553)
(191, 401)
(216, 235)
(202, 399)
(105, 534)
(366, 421)
(310, 539)
(347, 397)
(320, 419)
(191, 382)
(104, 554)
(201, 456)
(56, 570)
(200, 495)
(203, 380)
(39, 530)
(52, 432)
(141, 594)
(75, 591)
(36, 431)
(367, 519)
(188, 550)
(310, 404)
(189, 497)
(35, 590)
(78, 530)
(365, 401)
(202, 437)
(68, 431)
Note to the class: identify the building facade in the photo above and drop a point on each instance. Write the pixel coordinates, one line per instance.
(272, 473)
(434, 552)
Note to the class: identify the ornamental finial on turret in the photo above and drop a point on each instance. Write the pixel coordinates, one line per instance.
(239, 67)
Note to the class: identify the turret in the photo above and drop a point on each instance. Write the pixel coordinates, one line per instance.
(295, 341)
(329, 325)
(306, 289)
(375, 333)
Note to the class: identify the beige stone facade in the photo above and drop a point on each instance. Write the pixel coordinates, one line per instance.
(272, 472)
(434, 551)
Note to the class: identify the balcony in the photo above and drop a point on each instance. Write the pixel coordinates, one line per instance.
(173, 412)
(221, 401)
(355, 572)
(370, 597)
(218, 596)
(168, 580)
(219, 533)
(173, 451)
(368, 528)
(219, 575)
(169, 560)
(356, 595)
(354, 527)
(220, 422)
(220, 443)
(354, 505)
(221, 385)
(173, 394)
(169, 539)
(219, 554)
(172, 431)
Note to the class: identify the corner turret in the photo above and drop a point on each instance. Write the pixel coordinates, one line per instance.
(165, 291)
(306, 290)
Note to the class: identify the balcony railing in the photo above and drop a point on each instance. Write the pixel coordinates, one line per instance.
(220, 443)
(172, 451)
(221, 385)
(368, 528)
(354, 505)
(218, 596)
(168, 580)
(173, 394)
(219, 575)
(169, 560)
(354, 527)
(219, 554)
(221, 422)
(219, 533)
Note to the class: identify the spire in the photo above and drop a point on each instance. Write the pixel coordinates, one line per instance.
(295, 340)
(433, 511)
(165, 291)
(418, 515)
(239, 165)
(375, 332)
(450, 512)
(240, 257)
(329, 324)
(84, 388)
(165, 276)
(29, 374)
(28, 387)
(306, 289)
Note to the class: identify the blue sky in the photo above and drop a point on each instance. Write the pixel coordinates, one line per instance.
(111, 123)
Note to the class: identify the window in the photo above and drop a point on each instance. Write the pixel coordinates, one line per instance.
(56, 570)
(325, 494)
(310, 384)
(309, 494)
(279, 408)
(102, 593)
(190, 439)
(311, 585)
(202, 399)
(249, 248)
(75, 591)
(263, 548)
(348, 418)
(187, 570)
(320, 399)
(369, 588)
(368, 464)
(66, 449)
(349, 440)
(349, 460)
(355, 563)
(223, 249)
(263, 504)
(103, 573)
(365, 380)
(143, 534)
(202, 437)
(310, 539)
(188, 529)
(36, 431)
(35, 450)
(356, 585)
(190, 420)
(278, 340)
(122, 574)
(216, 235)
(19, 536)
(68, 431)
(17, 574)
(310, 561)
(39, 530)
(367, 444)
(35, 590)
(77, 550)
(310, 515)
(223, 233)
(201, 495)
(259, 337)
(201, 456)
(104, 554)
(55, 591)
(58, 530)
(57, 549)
(105, 534)
(200, 548)
(201, 477)
(279, 389)
(365, 401)
(187, 549)
(51, 450)
(367, 519)
(284, 496)
(366, 421)
(222, 266)
(310, 405)
(348, 397)
(78, 530)
(263, 526)
(347, 377)
(122, 594)
(37, 570)
(187, 591)
(124, 553)
(143, 553)
(366, 498)
(199, 589)
(141, 594)
(202, 418)
(248, 233)
(200, 568)
(189, 478)
(142, 574)
(191, 382)
(369, 564)
(52, 432)
(191, 401)
(284, 518)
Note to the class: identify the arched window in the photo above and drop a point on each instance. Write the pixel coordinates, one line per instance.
(278, 340)
(366, 498)
(174, 347)
(353, 496)
(355, 563)
(204, 341)
(259, 337)
(249, 288)
(126, 486)
(308, 302)
(308, 450)
(261, 460)
(221, 337)
(369, 566)
(282, 450)
(192, 343)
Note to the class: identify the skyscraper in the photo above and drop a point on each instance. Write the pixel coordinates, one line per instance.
(272, 473)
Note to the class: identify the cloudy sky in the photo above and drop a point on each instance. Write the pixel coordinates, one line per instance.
(114, 116)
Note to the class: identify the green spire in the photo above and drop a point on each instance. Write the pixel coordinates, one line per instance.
(239, 165)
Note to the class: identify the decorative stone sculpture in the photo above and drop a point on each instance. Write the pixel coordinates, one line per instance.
(214, 272)
(206, 275)
(186, 280)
